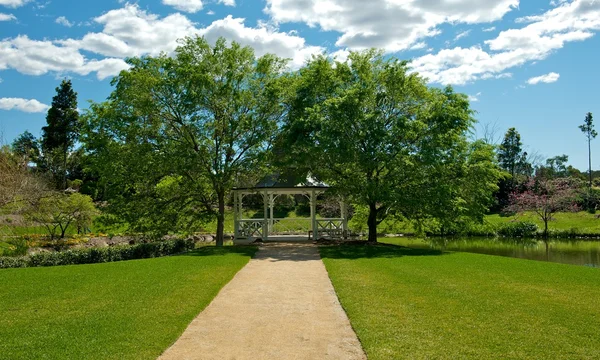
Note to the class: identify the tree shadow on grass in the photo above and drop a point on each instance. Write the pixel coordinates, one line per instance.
(355, 250)
(225, 250)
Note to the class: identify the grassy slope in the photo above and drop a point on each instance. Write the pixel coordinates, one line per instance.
(461, 305)
(124, 310)
(582, 221)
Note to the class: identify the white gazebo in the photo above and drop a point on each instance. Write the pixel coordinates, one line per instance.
(269, 228)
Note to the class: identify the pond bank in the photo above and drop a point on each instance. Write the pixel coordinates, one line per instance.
(584, 253)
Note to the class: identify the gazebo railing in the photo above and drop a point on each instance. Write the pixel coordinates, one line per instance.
(251, 228)
(330, 227)
(289, 226)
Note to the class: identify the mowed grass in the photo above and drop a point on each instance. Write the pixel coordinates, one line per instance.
(122, 310)
(424, 304)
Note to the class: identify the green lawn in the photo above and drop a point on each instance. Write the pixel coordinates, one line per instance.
(423, 304)
(123, 310)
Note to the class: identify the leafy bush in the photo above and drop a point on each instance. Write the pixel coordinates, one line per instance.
(100, 255)
(518, 229)
(13, 262)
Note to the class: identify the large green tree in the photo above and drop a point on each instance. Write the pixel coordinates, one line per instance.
(27, 146)
(178, 132)
(511, 156)
(379, 135)
(61, 132)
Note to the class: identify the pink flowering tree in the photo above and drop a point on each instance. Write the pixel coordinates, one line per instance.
(545, 197)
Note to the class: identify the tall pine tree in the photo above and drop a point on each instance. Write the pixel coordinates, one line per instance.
(588, 130)
(61, 132)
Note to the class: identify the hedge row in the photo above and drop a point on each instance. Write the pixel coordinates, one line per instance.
(99, 255)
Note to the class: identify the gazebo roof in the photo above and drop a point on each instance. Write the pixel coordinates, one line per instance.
(278, 181)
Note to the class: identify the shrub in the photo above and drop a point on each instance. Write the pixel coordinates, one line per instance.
(518, 229)
(12, 262)
(100, 255)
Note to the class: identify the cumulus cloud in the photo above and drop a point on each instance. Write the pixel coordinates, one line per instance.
(25, 105)
(131, 31)
(263, 39)
(385, 24)
(490, 29)
(191, 6)
(63, 21)
(547, 78)
(227, 2)
(13, 3)
(7, 17)
(536, 40)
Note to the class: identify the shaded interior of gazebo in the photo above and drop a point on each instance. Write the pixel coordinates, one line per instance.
(270, 228)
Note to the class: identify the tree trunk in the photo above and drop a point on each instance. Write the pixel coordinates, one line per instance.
(590, 163)
(372, 223)
(65, 151)
(220, 218)
(545, 230)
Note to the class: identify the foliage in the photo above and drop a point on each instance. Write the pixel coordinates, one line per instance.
(420, 304)
(27, 146)
(102, 255)
(518, 229)
(511, 156)
(177, 132)
(546, 197)
(379, 134)
(123, 310)
(59, 211)
(556, 167)
(18, 185)
(61, 132)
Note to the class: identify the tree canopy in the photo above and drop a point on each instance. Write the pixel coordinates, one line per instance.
(61, 132)
(178, 132)
(381, 137)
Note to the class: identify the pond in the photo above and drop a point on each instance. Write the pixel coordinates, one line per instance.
(585, 253)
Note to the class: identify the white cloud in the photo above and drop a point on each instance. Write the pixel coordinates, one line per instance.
(7, 17)
(542, 34)
(25, 105)
(32, 57)
(131, 31)
(191, 6)
(63, 21)
(462, 34)
(263, 39)
(210, 12)
(418, 46)
(14, 3)
(474, 98)
(392, 25)
(340, 55)
(489, 29)
(227, 2)
(547, 78)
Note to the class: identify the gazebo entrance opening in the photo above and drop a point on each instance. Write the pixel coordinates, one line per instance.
(271, 228)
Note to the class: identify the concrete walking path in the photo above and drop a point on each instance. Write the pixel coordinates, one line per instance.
(280, 306)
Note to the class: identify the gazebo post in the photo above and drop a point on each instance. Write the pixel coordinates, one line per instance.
(236, 224)
(344, 217)
(271, 205)
(266, 219)
(313, 215)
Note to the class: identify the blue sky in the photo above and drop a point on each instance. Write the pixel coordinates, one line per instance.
(528, 64)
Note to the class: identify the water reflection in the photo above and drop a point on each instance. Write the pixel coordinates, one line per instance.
(586, 253)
